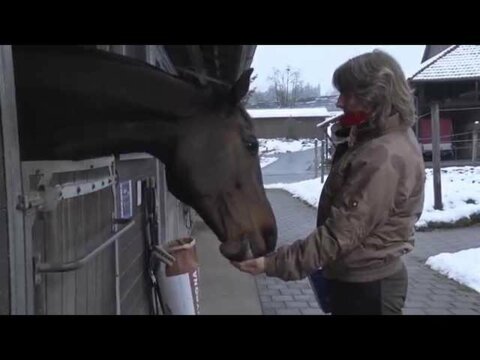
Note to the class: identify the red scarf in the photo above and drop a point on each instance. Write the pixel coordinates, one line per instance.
(353, 118)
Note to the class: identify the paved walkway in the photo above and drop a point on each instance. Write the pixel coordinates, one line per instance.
(290, 167)
(428, 293)
(223, 289)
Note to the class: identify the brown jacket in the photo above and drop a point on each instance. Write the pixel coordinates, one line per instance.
(368, 208)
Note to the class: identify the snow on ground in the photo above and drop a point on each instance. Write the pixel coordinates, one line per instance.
(271, 147)
(307, 190)
(460, 194)
(280, 146)
(265, 161)
(462, 266)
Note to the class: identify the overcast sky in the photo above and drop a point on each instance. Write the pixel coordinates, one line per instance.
(318, 62)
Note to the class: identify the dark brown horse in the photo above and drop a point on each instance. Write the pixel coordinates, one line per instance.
(75, 103)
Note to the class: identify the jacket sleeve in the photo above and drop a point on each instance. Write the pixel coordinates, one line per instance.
(363, 203)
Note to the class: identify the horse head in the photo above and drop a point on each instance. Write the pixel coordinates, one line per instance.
(204, 136)
(214, 168)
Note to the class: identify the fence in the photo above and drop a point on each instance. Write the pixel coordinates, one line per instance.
(456, 147)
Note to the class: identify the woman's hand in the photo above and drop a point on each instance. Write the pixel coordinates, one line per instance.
(252, 266)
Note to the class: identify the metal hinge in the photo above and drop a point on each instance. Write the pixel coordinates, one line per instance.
(30, 201)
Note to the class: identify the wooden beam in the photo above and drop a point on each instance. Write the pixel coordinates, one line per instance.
(195, 54)
(437, 186)
(241, 61)
(250, 55)
(104, 47)
(206, 77)
(21, 293)
(245, 58)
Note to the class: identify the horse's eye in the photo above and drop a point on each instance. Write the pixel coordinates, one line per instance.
(252, 146)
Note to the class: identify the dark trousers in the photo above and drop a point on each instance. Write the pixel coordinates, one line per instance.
(382, 297)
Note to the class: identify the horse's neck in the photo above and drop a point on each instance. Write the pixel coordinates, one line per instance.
(156, 137)
(94, 74)
(89, 104)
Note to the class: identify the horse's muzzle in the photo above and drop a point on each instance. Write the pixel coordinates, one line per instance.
(248, 248)
(236, 250)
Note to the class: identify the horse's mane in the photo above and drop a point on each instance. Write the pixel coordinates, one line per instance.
(134, 82)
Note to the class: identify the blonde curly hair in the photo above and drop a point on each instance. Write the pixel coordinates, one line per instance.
(377, 81)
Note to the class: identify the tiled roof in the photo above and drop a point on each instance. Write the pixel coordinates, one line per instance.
(455, 62)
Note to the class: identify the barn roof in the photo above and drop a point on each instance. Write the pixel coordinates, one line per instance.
(217, 63)
(454, 63)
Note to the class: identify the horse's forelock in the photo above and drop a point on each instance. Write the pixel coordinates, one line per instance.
(246, 117)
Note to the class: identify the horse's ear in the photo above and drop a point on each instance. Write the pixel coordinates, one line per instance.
(240, 88)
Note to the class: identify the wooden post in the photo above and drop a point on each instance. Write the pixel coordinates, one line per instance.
(20, 260)
(323, 158)
(315, 162)
(475, 141)
(437, 185)
(417, 133)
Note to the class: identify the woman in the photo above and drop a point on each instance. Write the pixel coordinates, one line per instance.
(371, 200)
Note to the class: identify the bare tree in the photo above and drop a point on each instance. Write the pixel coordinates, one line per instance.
(308, 92)
(287, 85)
(286, 90)
(333, 92)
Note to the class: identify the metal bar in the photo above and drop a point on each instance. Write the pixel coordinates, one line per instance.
(474, 146)
(454, 134)
(113, 172)
(135, 156)
(451, 109)
(46, 169)
(161, 203)
(68, 191)
(118, 308)
(60, 166)
(437, 186)
(315, 162)
(74, 265)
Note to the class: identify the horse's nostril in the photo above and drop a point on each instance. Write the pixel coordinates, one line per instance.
(236, 257)
(234, 250)
(270, 237)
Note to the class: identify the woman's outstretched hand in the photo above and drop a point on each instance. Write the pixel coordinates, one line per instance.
(252, 266)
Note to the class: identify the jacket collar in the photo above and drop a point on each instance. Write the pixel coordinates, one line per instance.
(365, 132)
